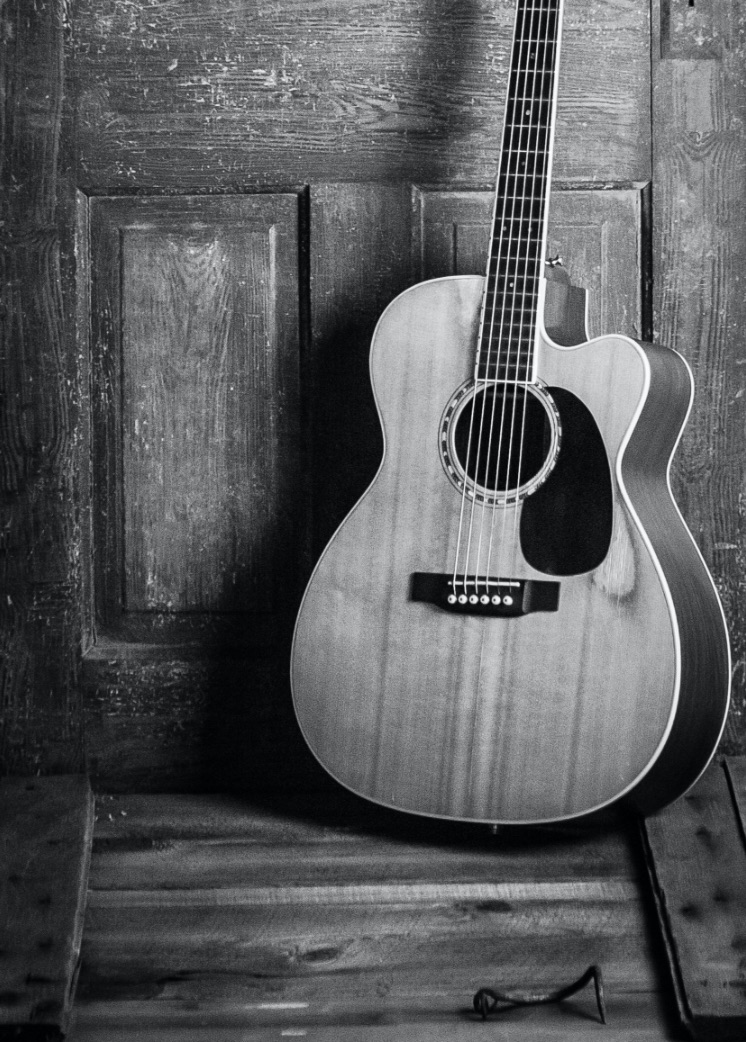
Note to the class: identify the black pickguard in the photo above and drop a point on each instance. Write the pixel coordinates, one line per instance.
(566, 523)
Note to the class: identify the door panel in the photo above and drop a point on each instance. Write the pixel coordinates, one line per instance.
(601, 237)
(195, 349)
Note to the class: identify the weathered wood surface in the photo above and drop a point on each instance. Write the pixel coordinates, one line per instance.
(601, 237)
(297, 92)
(699, 237)
(207, 914)
(195, 347)
(40, 601)
(46, 831)
(697, 862)
(642, 1022)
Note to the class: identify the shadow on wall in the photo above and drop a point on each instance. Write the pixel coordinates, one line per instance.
(252, 741)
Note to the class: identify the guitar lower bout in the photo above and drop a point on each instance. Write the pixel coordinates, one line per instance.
(582, 660)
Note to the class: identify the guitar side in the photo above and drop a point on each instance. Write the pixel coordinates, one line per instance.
(547, 716)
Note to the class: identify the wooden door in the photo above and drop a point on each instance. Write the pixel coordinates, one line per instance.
(252, 185)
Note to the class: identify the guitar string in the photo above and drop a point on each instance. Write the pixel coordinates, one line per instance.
(540, 174)
(514, 287)
(523, 328)
(497, 260)
(480, 343)
(522, 43)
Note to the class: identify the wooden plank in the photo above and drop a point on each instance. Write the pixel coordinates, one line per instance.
(292, 92)
(206, 842)
(630, 1019)
(46, 829)
(39, 382)
(697, 863)
(331, 941)
(700, 307)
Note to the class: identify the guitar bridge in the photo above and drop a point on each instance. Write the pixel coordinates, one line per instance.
(481, 595)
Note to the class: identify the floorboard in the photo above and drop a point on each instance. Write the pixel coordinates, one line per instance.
(46, 828)
(697, 861)
(209, 918)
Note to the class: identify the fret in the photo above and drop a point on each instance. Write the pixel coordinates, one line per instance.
(494, 353)
(494, 357)
(530, 97)
(524, 291)
(528, 227)
(521, 197)
(510, 319)
(515, 230)
(519, 373)
(494, 368)
(511, 249)
(507, 175)
(529, 311)
(511, 303)
(525, 277)
(535, 201)
(504, 341)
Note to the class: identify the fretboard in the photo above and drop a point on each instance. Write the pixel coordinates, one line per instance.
(506, 342)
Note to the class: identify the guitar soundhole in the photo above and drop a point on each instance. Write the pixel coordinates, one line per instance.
(499, 440)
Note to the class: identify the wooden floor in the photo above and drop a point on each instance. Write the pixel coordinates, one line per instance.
(213, 919)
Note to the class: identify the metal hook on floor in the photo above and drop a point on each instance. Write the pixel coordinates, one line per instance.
(487, 1000)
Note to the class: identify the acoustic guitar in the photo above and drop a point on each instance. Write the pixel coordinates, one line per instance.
(513, 624)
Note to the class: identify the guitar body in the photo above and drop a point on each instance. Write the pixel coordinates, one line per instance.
(616, 688)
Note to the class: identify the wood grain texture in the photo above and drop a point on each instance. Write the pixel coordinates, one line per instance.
(46, 830)
(196, 377)
(640, 1022)
(458, 716)
(39, 388)
(215, 842)
(304, 93)
(697, 862)
(700, 200)
(329, 942)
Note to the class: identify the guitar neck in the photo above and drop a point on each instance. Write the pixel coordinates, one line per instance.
(519, 225)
